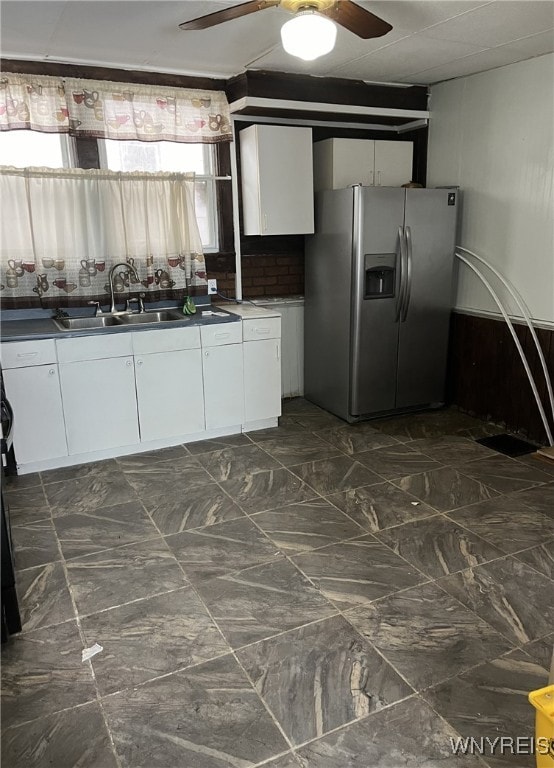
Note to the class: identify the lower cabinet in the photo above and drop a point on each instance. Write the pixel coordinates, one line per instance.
(99, 404)
(169, 394)
(79, 396)
(262, 379)
(223, 386)
(39, 428)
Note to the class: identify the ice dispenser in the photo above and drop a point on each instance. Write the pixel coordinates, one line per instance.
(380, 275)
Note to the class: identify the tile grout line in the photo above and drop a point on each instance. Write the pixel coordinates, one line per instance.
(231, 650)
(89, 661)
(250, 515)
(454, 730)
(293, 629)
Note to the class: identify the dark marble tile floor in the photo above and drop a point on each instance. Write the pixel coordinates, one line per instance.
(319, 595)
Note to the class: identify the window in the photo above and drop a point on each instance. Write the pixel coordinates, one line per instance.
(31, 148)
(128, 156)
(53, 150)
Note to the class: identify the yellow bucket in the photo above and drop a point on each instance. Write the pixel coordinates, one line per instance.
(543, 701)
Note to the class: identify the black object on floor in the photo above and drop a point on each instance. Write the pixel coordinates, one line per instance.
(508, 445)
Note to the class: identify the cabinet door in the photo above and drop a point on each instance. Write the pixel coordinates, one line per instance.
(169, 393)
(393, 163)
(353, 162)
(262, 379)
(99, 403)
(223, 386)
(339, 163)
(39, 429)
(277, 180)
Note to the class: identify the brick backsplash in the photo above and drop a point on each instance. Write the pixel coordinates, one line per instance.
(262, 275)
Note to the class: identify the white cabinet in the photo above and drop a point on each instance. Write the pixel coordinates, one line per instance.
(262, 380)
(393, 163)
(339, 163)
(83, 398)
(262, 370)
(223, 386)
(34, 394)
(99, 404)
(277, 180)
(168, 370)
(222, 369)
(169, 393)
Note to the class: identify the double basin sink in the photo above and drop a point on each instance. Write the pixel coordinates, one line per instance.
(109, 321)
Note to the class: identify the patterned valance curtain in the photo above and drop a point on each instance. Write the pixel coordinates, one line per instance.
(109, 110)
(64, 229)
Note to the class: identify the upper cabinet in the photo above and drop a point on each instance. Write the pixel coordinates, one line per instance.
(339, 163)
(277, 180)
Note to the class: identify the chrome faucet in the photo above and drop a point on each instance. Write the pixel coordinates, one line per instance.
(128, 267)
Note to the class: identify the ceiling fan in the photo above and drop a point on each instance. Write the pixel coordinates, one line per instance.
(311, 31)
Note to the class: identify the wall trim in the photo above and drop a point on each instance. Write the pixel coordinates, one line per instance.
(517, 319)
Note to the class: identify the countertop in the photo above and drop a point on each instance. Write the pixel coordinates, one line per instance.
(28, 330)
(248, 311)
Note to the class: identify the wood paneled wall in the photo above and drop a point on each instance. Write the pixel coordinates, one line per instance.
(486, 377)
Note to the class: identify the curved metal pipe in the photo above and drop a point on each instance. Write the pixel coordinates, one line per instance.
(526, 315)
(494, 295)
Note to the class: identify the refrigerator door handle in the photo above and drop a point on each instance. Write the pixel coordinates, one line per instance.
(400, 255)
(409, 270)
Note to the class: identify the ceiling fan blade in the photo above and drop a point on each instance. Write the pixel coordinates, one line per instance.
(357, 19)
(227, 14)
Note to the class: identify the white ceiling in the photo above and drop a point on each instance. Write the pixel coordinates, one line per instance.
(431, 40)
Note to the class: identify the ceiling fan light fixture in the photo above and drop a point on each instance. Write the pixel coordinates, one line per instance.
(308, 35)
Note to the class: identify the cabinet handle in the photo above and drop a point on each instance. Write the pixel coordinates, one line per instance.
(265, 222)
(277, 352)
(262, 331)
(206, 354)
(129, 363)
(378, 178)
(51, 372)
(222, 335)
(371, 183)
(26, 355)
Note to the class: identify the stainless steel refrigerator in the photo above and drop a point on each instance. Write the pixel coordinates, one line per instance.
(378, 294)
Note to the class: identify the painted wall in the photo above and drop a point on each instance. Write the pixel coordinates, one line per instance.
(493, 135)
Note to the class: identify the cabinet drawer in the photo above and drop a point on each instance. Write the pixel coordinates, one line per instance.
(166, 340)
(225, 333)
(265, 328)
(21, 354)
(94, 347)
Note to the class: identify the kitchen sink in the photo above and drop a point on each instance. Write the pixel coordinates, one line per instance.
(109, 321)
(160, 316)
(83, 323)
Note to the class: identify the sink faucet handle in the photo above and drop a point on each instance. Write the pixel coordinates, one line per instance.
(97, 307)
(128, 303)
(140, 300)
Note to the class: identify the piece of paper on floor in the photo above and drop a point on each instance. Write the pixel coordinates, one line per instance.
(414, 503)
(88, 653)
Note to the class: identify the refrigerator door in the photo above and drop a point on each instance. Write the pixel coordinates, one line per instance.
(430, 232)
(327, 303)
(378, 219)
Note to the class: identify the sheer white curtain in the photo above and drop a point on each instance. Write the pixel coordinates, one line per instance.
(64, 229)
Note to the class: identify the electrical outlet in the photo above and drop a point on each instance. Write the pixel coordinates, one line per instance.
(212, 286)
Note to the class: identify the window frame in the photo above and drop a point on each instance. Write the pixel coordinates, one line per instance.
(90, 153)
